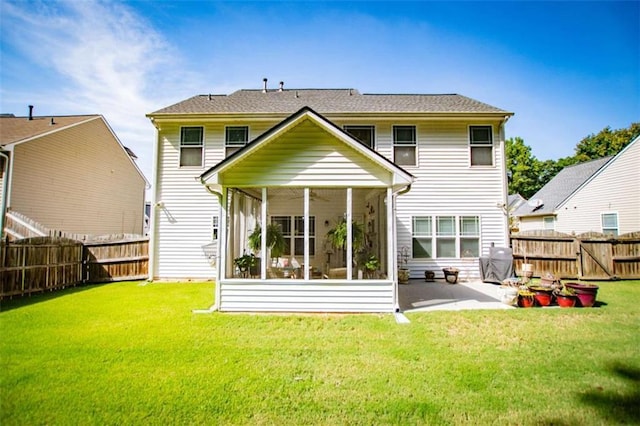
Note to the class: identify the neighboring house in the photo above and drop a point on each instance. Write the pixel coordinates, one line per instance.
(601, 195)
(422, 175)
(514, 201)
(70, 174)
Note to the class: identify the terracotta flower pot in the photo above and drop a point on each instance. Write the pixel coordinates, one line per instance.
(566, 300)
(543, 296)
(525, 301)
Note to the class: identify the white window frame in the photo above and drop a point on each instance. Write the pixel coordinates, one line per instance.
(405, 144)
(458, 235)
(607, 229)
(423, 236)
(215, 227)
(349, 127)
(200, 146)
(295, 234)
(481, 145)
(231, 147)
(546, 220)
(468, 236)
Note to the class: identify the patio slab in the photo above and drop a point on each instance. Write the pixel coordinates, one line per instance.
(421, 296)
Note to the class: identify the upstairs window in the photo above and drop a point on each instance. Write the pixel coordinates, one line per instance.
(191, 146)
(365, 134)
(609, 223)
(235, 138)
(481, 145)
(404, 145)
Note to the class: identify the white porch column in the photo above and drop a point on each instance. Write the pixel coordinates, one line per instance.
(263, 236)
(349, 234)
(306, 234)
(222, 245)
(392, 244)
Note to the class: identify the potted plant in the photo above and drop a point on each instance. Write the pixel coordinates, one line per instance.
(245, 263)
(565, 297)
(586, 293)
(543, 295)
(526, 298)
(403, 272)
(337, 237)
(451, 274)
(275, 241)
(371, 265)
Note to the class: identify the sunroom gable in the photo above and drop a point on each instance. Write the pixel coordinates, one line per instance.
(306, 150)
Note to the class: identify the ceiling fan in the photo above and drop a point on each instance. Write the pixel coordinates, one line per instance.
(314, 196)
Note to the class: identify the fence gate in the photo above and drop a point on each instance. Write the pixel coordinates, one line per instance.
(590, 256)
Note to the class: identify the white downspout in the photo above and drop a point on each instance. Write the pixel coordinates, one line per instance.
(392, 228)
(5, 185)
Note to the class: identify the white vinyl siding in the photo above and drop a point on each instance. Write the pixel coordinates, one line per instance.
(444, 183)
(325, 162)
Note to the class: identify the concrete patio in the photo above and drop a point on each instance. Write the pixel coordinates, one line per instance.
(421, 296)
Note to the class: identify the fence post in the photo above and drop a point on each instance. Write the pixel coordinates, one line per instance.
(578, 249)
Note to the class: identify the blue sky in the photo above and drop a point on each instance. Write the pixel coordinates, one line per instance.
(567, 69)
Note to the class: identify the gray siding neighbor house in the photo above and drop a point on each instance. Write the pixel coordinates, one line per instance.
(601, 195)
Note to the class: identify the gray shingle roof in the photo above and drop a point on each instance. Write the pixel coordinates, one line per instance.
(565, 183)
(325, 101)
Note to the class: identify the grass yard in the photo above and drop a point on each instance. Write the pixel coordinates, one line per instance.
(135, 354)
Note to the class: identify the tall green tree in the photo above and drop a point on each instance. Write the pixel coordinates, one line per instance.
(606, 142)
(522, 167)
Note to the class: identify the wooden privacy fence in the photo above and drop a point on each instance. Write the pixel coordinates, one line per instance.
(49, 263)
(590, 256)
(116, 260)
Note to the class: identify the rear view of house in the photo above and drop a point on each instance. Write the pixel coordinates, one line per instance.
(71, 174)
(406, 181)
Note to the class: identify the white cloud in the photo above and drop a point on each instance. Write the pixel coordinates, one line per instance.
(108, 60)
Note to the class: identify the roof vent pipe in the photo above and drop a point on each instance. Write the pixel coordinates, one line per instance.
(281, 86)
(30, 112)
(264, 90)
(52, 122)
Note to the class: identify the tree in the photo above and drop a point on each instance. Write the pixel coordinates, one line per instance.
(607, 142)
(522, 167)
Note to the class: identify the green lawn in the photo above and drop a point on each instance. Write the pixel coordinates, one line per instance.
(135, 354)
